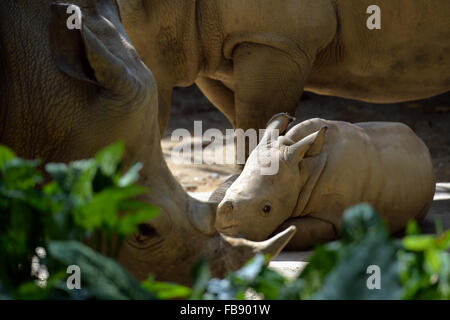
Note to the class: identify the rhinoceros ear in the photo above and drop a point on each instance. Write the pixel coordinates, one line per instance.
(99, 51)
(67, 45)
(309, 146)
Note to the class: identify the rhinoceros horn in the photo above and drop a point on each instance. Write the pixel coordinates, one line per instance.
(234, 252)
(280, 122)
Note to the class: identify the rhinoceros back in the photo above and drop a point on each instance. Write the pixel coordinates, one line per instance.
(406, 172)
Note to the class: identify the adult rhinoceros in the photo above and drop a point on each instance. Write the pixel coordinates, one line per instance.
(254, 58)
(66, 93)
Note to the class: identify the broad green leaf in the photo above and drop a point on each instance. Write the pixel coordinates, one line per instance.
(292, 290)
(412, 228)
(201, 274)
(433, 260)
(220, 289)
(166, 290)
(21, 174)
(104, 278)
(348, 279)
(311, 279)
(250, 271)
(419, 242)
(339, 270)
(74, 179)
(109, 158)
(444, 276)
(131, 176)
(6, 155)
(269, 283)
(443, 241)
(128, 223)
(103, 210)
(360, 220)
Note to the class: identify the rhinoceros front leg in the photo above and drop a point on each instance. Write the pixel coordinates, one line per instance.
(164, 106)
(267, 81)
(310, 232)
(220, 95)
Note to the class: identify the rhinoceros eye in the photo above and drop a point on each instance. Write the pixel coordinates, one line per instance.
(145, 231)
(266, 209)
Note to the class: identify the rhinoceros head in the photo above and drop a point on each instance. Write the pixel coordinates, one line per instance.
(260, 200)
(76, 90)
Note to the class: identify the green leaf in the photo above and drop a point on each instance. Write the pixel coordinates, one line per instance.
(131, 176)
(6, 155)
(166, 290)
(348, 279)
(31, 291)
(21, 174)
(419, 242)
(339, 270)
(360, 220)
(75, 179)
(200, 275)
(129, 222)
(432, 260)
(247, 274)
(444, 276)
(103, 210)
(412, 228)
(220, 289)
(102, 277)
(311, 279)
(109, 158)
(443, 241)
(269, 283)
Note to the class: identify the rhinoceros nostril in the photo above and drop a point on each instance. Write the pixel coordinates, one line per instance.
(226, 208)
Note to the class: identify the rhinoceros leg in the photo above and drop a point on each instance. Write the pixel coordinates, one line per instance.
(267, 81)
(310, 232)
(220, 95)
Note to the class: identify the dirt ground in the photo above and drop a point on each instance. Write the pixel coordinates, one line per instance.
(429, 118)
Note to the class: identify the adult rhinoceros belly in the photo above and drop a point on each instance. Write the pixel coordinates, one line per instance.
(407, 59)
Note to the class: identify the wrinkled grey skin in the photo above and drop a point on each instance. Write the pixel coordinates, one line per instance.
(254, 58)
(324, 168)
(66, 94)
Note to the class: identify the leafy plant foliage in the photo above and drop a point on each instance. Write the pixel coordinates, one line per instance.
(85, 200)
(46, 224)
(415, 267)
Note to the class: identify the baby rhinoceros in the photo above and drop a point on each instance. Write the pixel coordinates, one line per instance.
(325, 167)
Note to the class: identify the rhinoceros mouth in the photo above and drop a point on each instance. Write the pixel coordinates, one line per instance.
(227, 230)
